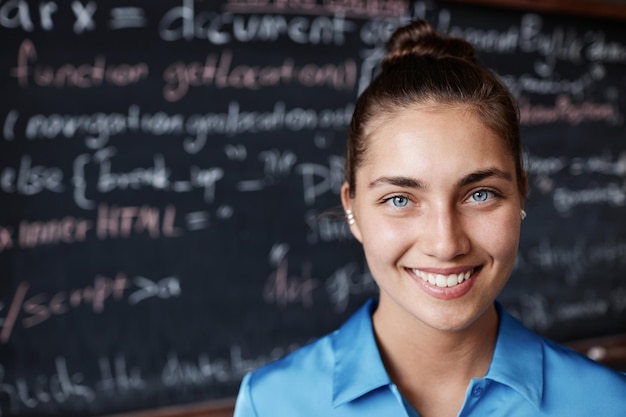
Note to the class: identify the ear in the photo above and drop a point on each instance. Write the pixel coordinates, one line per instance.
(347, 203)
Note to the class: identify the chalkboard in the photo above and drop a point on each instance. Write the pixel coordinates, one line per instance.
(169, 178)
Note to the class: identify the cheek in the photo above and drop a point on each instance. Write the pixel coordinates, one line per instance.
(499, 237)
(385, 241)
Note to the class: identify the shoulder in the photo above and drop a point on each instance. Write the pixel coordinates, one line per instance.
(567, 362)
(314, 376)
(553, 377)
(573, 378)
(312, 367)
(283, 388)
(314, 359)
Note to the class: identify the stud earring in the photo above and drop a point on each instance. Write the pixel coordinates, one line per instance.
(523, 214)
(350, 217)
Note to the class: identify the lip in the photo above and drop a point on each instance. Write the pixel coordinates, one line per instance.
(448, 271)
(446, 293)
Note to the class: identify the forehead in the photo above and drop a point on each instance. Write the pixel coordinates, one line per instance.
(433, 141)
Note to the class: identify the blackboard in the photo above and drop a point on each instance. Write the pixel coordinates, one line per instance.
(169, 177)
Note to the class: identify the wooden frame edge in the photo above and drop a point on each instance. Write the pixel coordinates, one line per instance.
(610, 9)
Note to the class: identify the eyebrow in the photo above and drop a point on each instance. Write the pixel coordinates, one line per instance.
(486, 173)
(404, 182)
(409, 182)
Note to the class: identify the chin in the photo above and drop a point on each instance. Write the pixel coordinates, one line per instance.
(451, 318)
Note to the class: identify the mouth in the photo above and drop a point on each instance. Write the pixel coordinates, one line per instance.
(444, 280)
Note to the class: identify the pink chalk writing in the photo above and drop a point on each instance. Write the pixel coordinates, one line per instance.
(122, 222)
(29, 307)
(14, 311)
(40, 307)
(283, 289)
(218, 71)
(111, 222)
(352, 8)
(85, 75)
(66, 230)
(6, 238)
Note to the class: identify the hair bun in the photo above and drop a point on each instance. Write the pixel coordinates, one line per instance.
(419, 38)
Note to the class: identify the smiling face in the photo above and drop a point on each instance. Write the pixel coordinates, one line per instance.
(437, 209)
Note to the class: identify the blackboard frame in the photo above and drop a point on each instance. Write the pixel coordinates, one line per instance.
(602, 8)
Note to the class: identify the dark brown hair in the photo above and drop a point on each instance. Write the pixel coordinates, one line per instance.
(424, 67)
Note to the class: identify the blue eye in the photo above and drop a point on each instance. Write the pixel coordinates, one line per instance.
(481, 195)
(399, 201)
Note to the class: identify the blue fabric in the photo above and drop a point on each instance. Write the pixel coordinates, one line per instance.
(342, 375)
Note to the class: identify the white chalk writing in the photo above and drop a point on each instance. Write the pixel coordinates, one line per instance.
(98, 128)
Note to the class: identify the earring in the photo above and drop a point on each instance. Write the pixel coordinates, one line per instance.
(523, 214)
(350, 217)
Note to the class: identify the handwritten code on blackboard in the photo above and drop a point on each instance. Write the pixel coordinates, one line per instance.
(169, 179)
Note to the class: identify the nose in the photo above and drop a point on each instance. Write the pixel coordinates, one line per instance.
(444, 234)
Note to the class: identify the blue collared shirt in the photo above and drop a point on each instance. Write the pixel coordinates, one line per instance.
(342, 375)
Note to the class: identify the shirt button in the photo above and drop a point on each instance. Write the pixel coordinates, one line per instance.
(478, 391)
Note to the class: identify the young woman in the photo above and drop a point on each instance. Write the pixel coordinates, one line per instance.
(435, 193)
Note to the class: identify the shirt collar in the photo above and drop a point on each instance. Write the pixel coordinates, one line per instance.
(518, 359)
(359, 368)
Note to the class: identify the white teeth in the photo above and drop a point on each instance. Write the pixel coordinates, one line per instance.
(443, 281)
(452, 280)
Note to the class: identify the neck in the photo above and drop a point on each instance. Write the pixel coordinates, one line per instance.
(419, 358)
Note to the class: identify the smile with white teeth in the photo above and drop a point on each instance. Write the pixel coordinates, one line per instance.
(443, 281)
